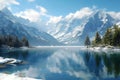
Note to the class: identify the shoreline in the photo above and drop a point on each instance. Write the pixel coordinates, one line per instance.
(97, 48)
(4, 76)
(104, 49)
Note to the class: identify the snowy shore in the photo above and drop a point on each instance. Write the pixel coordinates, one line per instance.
(98, 49)
(12, 61)
(4, 76)
(5, 61)
(102, 49)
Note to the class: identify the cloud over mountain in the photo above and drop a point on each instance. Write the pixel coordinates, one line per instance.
(32, 14)
(5, 3)
(29, 14)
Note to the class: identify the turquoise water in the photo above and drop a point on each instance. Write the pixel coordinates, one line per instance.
(67, 63)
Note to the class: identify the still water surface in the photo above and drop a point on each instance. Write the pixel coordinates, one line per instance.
(64, 64)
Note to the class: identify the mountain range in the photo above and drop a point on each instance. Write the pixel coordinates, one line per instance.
(67, 31)
(12, 25)
(74, 31)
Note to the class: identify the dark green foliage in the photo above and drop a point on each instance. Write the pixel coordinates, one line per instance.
(111, 62)
(111, 37)
(87, 41)
(116, 37)
(25, 42)
(108, 37)
(98, 39)
(13, 41)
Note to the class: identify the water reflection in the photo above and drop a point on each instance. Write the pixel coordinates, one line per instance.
(65, 64)
(103, 65)
(17, 54)
(68, 63)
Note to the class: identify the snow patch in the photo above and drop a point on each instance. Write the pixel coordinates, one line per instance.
(9, 61)
(14, 77)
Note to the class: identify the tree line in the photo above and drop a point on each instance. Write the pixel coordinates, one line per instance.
(111, 37)
(13, 41)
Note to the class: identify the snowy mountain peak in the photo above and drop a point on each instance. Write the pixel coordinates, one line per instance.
(11, 25)
(6, 11)
(74, 32)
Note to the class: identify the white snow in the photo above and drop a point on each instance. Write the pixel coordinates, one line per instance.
(9, 61)
(84, 48)
(4, 76)
(73, 31)
(102, 49)
(13, 76)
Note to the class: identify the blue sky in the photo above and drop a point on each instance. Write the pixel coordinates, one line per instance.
(52, 11)
(58, 7)
(64, 7)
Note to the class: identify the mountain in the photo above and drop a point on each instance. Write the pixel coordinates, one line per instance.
(74, 31)
(12, 25)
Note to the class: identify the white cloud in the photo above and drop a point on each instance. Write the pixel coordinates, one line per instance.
(54, 19)
(80, 14)
(29, 14)
(39, 16)
(32, 14)
(84, 12)
(31, 0)
(43, 11)
(115, 15)
(4, 3)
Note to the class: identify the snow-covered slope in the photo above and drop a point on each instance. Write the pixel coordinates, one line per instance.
(99, 21)
(74, 31)
(10, 25)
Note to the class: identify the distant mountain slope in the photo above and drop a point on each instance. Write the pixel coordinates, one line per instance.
(11, 25)
(73, 32)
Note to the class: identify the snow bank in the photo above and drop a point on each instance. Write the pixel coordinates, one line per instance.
(103, 49)
(9, 61)
(96, 49)
(14, 77)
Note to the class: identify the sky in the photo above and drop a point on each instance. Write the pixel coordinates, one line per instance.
(53, 11)
(64, 7)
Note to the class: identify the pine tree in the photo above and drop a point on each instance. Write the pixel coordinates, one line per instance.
(116, 37)
(0, 40)
(98, 39)
(87, 41)
(25, 42)
(108, 37)
(17, 42)
(13, 41)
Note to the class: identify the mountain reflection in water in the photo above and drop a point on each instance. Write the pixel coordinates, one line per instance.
(64, 64)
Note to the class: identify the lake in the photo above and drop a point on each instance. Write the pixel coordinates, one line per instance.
(63, 63)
